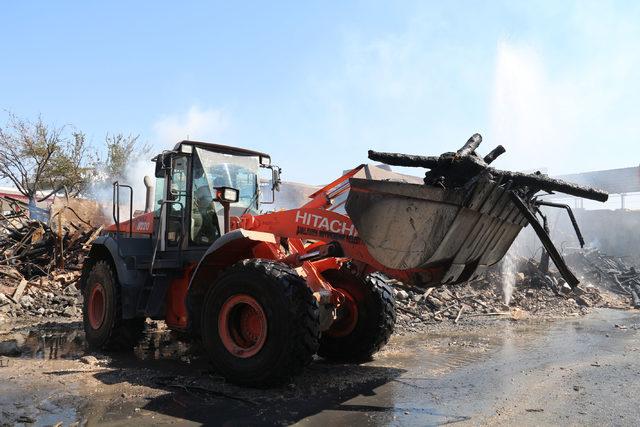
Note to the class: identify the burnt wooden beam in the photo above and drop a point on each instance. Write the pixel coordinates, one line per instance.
(456, 169)
(470, 146)
(493, 154)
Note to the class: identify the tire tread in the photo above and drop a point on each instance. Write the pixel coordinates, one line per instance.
(378, 332)
(302, 312)
(124, 334)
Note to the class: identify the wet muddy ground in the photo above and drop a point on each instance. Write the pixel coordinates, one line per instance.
(573, 371)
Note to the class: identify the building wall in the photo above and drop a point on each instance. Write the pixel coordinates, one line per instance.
(614, 232)
(10, 193)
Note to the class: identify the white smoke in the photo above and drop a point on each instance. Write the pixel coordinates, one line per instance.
(202, 124)
(134, 176)
(528, 114)
(102, 188)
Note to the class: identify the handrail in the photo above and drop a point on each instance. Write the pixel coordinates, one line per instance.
(571, 217)
(116, 211)
(116, 207)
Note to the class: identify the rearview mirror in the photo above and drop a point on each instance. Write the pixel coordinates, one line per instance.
(269, 184)
(163, 163)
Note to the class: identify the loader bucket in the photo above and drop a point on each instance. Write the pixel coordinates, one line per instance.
(462, 220)
(410, 226)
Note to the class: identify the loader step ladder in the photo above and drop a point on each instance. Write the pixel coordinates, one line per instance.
(152, 295)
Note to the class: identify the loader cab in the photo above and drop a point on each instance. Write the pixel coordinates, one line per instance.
(194, 182)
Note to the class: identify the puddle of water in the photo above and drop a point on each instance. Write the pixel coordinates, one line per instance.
(43, 405)
(160, 345)
(67, 342)
(50, 344)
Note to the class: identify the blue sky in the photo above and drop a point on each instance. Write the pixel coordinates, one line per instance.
(318, 83)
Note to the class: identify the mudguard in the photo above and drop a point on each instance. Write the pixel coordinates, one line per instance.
(227, 250)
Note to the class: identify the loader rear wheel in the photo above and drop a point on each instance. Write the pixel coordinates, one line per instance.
(104, 327)
(365, 320)
(260, 323)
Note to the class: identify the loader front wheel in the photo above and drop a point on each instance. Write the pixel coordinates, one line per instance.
(104, 327)
(365, 320)
(260, 323)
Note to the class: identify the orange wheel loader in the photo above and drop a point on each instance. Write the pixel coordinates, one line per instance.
(265, 292)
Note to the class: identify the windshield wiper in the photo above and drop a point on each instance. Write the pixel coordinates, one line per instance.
(253, 199)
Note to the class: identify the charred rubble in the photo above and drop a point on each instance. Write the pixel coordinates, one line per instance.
(617, 274)
(40, 265)
(606, 281)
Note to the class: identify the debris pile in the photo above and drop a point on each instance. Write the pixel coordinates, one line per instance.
(40, 265)
(613, 273)
(535, 293)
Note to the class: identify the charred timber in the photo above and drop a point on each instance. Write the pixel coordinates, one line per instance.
(470, 146)
(457, 169)
(493, 154)
(543, 182)
(410, 160)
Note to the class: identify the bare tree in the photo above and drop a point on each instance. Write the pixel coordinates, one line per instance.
(41, 160)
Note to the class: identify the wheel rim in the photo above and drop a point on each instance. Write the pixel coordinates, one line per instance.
(242, 326)
(96, 306)
(347, 316)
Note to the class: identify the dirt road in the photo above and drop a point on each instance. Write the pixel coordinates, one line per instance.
(576, 371)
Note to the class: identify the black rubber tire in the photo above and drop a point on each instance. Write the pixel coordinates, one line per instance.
(293, 326)
(376, 318)
(115, 333)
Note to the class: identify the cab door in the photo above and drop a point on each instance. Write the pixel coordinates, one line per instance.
(177, 203)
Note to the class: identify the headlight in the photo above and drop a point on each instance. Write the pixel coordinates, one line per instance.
(227, 194)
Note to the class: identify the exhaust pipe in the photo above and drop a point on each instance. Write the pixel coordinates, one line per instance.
(148, 204)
